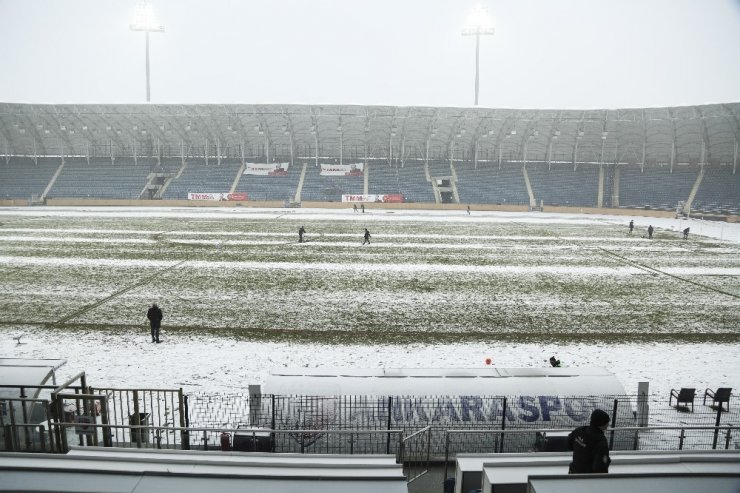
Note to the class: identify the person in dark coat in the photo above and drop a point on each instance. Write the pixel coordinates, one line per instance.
(632, 225)
(555, 363)
(301, 232)
(366, 237)
(155, 321)
(686, 234)
(650, 232)
(589, 446)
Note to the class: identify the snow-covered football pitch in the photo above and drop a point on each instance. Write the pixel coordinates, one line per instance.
(241, 295)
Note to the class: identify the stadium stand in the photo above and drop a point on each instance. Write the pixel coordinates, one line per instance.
(655, 187)
(561, 185)
(23, 178)
(490, 185)
(271, 187)
(439, 169)
(645, 167)
(199, 178)
(413, 182)
(329, 188)
(383, 179)
(102, 179)
(719, 192)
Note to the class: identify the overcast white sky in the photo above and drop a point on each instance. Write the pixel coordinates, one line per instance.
(544, 54)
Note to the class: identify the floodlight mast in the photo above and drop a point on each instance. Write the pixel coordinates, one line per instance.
(478, 24)
(145, 20)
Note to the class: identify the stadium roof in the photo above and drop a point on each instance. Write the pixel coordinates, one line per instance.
(690, 134)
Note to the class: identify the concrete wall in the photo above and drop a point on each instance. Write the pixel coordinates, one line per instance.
(161, 203)
(611, 212)
(14, 202)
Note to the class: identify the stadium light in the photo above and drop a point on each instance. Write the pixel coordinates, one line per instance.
(478, 23)
(145, 20)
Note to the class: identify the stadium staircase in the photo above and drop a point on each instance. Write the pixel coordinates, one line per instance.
(51, 182)
(694, 189)
(237, 178)
(301, 180)
(366, 179)
(530, 192)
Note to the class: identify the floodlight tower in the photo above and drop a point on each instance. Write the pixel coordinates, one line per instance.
(477, 24)
(145, 20)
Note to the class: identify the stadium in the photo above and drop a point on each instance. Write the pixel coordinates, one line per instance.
(676, 160)
(414, 358)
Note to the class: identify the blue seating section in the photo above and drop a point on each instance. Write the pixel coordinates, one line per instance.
(655, 187)
(560, 185)
(271, 187)
(22, 178)
(719, 192)
(439, 168)
(412, 182)
(199, 178)
(329, 188)
(490, 185)
(102, 179)
(382, 179)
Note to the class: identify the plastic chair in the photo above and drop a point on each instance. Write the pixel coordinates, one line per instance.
(684, 396)
(719, 397)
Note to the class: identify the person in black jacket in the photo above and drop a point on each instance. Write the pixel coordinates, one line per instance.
(155, 320)
(589, 446)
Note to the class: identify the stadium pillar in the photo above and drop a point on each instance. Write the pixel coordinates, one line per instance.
(290, 136)
(148, 91)
(477, 65)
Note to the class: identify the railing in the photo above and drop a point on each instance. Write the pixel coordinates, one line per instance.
(247, 440)
(635, 432)
(20, 427)
(415, 453)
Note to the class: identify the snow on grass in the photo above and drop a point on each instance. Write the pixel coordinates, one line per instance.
(435, 289)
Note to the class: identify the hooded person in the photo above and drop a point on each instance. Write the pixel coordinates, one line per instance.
(154, 314)
(589, 446)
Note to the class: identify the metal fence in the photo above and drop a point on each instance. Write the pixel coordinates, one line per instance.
(166, 418)
(441, 413)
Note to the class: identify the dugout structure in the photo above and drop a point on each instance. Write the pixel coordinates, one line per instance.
(442, 399)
